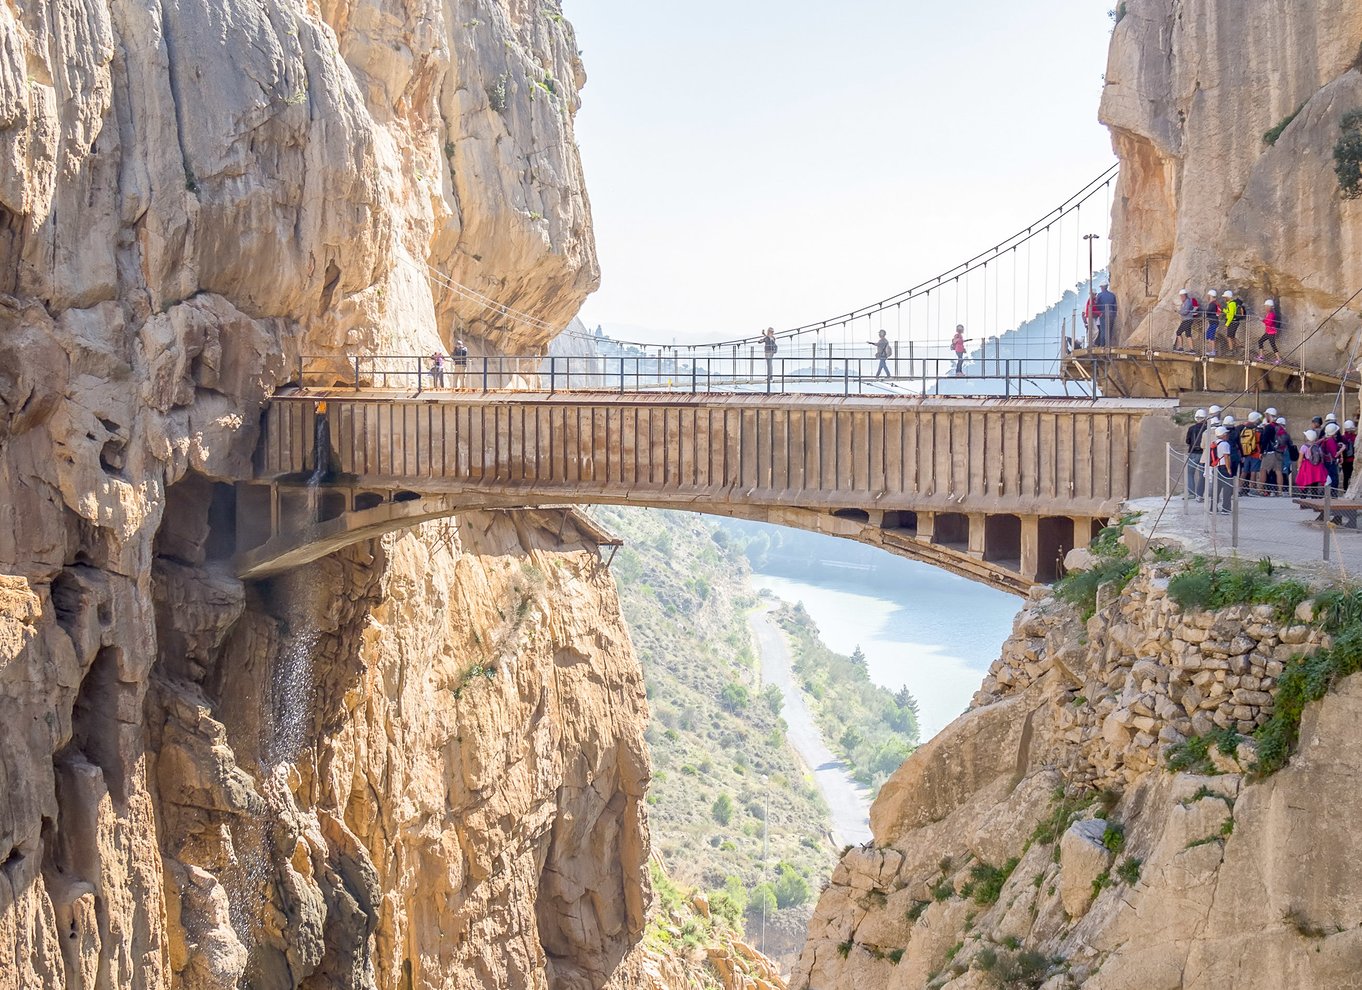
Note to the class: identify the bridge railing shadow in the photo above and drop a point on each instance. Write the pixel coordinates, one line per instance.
(737, 373)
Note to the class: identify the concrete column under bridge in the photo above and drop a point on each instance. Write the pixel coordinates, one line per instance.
(995, 489)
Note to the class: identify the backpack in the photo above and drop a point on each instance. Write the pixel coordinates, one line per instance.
(1314, 453)
(1248, 442)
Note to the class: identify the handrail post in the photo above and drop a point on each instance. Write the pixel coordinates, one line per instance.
(356, 372)
(1234, 517)
(419, 379)
(694, 375)
(846, 376)
(621, 374)
(486, 367)
(553, 375)
(1328, 517)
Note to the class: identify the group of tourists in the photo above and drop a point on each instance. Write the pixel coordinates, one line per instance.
(1260, 457)
(1219, 321)
(459, 358)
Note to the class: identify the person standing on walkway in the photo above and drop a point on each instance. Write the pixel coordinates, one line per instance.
(882, 351)
(1272, 323)
(1223, 468)
(460, 362)
(1196, 435)
(1106, 316)
(958, 346)
(1270, 444)
(437, 370)
(1333, 454)
(1250, 456)
(1233, 315)
(1348, 441)
(1290, 453)
(1188, 309)
(769, 348)
(1212, 316)
(1311, 475)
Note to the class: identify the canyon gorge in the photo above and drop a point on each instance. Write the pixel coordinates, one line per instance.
(421, 762)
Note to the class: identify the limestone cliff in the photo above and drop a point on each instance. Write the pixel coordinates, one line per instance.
(416, 764)
(1042, 840)
(1192, 88)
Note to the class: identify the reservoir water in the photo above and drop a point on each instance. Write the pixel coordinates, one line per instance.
(918, 626)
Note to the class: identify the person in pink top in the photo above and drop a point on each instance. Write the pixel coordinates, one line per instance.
(1272, 323)
(1311, 475)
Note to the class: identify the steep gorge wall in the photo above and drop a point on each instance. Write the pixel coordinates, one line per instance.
(419, 763)
(1041, 840)
(1192, 87)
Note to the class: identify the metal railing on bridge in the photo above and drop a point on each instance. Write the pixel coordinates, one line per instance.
(818, 371)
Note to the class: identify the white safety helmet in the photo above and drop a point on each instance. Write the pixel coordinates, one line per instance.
(1215, 410)
(1229, 294)
(1330, 429)
(1330, 418)
(1271, 411)
(1281, 421)
(1182, 292)
(1213, 421)
(1349, 425)
(1311, 436)
(1200, 414)
(1228, 421)
(1269, 304)
(1212, 294)
(1255, 416)
(1220, 431)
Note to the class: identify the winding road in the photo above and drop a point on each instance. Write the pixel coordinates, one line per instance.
(847, 800)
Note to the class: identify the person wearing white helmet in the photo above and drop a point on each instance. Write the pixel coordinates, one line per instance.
(1330, 418)
(1272, 323)
(1212, 314)
(1222, 466)
(1188, 310)
(1290, 453)
(1312, 475)
(1196, 477)
(1213, 411)
(1333, 453)
(1348, 441)
(1270, 477)
(1250, 455)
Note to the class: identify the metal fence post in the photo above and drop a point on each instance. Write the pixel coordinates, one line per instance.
(1328, 518)
(356, 372)
(1167, 472)
(1234, 514)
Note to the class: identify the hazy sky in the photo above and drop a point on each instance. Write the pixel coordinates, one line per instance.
(755, 163)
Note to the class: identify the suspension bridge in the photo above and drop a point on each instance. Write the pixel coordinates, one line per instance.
(991, 463)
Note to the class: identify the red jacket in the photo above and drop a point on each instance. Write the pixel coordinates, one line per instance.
(1270, 322)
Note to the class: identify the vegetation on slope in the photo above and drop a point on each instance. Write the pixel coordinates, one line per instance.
(726, 785)
(873, 729)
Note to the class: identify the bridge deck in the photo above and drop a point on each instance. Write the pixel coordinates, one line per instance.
(1020, 455)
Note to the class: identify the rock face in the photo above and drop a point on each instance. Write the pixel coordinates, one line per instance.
(419, 763)
(1192, 88)
(1020, 848)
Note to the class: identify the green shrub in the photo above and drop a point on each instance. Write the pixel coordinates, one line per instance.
(1129, 871)
(1194, 755)
(1062, 814)
(1080, 588)
(1348, 155)
(844, 948)
(1205, 586)
(791, 888)
(986, 882)
(722, 809)
(917, 908)
(1114, 838)
(1271, 136)
(943, 889)
(1012, 970)
(895, 955)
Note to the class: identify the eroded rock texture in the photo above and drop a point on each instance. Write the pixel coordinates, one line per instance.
(1192, 88)
(998, 861)
(416, 764)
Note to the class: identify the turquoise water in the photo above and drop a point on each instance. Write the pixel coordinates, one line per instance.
(918, 626)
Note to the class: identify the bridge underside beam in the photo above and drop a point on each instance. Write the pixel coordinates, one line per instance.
(1008, 552)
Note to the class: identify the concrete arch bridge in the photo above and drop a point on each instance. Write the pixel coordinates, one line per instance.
(997, 490)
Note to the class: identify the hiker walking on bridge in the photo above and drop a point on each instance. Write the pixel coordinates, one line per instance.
(1196, 435)
(882, 352)
(437, 370)
(1272, 323)
(958, 346)
(769, 347)
(1189, 309)
(460, 362)
(1212, 314)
